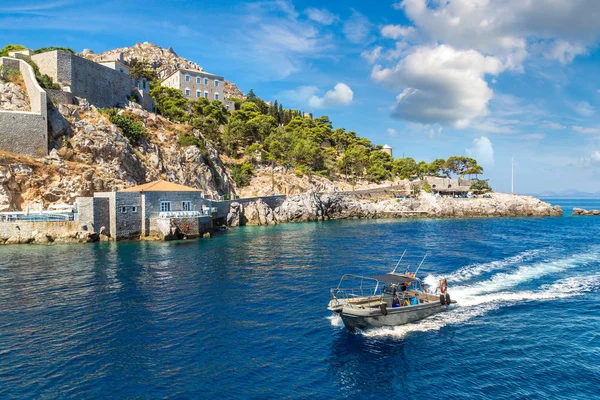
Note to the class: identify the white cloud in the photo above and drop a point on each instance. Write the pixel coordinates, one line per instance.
(440, 85)
(307, 96)
(322, 16)
(276, 41)
(373, 55)
(482, 151)
(586, 130)
(533, 136)
(563, 51)
(392, 132)
(340, 95)
(357, 28)
(553, 125)
(593, 160)
(507, 28)
(585, 109)
(396, 31)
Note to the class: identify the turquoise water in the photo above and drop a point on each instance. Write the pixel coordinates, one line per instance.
(243, 315)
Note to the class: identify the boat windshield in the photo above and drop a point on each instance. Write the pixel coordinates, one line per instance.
(356, 286)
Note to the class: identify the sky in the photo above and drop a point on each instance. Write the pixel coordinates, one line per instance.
(494, 80)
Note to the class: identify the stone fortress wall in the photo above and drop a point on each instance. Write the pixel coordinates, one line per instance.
(25, 132)
(100, 85)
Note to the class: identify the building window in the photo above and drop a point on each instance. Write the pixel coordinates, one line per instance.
(206, 94)
(186, 205)
(227, 107)
(205, 81)
(187, 78)
(187, 92)
(198, 79)
(165, 206)
(123, 210)
(198, 93)
(216, 96)
(134, 209)
(216, 83)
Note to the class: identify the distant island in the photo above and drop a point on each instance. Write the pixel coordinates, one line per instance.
(568, 194)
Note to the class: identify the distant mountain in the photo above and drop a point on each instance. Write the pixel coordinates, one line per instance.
(567, 193)
(163, 61)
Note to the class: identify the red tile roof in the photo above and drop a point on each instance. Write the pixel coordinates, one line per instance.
(160, 186)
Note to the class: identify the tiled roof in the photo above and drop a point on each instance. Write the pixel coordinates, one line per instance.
(160, 186)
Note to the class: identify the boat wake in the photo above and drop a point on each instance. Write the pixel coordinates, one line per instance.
(500, 290)
(474, 270)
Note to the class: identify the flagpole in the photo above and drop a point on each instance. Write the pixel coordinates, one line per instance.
(512, 176)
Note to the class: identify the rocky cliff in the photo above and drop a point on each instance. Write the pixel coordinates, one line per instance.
(163, 61)
(314, 206)
(90, 154)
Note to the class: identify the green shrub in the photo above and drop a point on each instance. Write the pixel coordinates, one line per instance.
(481, 186)
(133, 130)
(133, 98)
(10, 47)
(52, 48)
(426, 187)
(241, 173)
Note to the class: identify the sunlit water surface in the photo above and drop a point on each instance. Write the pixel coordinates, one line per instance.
(243, 315)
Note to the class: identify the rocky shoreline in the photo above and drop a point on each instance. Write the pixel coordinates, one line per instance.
(314, 206)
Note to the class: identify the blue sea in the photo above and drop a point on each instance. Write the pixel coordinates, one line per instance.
(243, 315)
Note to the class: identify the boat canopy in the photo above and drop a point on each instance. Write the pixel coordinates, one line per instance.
(394, 278)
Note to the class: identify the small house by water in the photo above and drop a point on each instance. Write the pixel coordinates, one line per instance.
(156, 209)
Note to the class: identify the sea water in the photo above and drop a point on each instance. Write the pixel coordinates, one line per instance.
(243, 315)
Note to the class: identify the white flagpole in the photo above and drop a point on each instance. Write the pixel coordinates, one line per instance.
(512, 177)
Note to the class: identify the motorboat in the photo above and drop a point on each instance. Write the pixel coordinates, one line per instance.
(390, 299)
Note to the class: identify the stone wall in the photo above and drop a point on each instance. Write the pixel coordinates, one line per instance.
(146, 101)
(112, 218)
(94, 212)
(60, 96)
(28, 229)
(128, 215)
(25, 132)
(100, 85)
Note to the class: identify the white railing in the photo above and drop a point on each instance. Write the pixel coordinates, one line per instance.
(179, 214)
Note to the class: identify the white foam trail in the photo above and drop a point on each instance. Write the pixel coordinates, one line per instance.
(470, 271)
(526, 273)
(479, 305)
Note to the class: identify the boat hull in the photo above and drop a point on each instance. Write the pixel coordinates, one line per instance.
(357, 318)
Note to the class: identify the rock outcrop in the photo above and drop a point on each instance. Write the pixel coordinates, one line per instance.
(163, 61)
(582, 212)
(313, 206)
(12, 97)
(91, 154)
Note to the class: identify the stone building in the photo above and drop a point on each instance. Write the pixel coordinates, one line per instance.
(387, 149)
(25, 132)
(449, 186)
(156, 209)
(195, 84)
